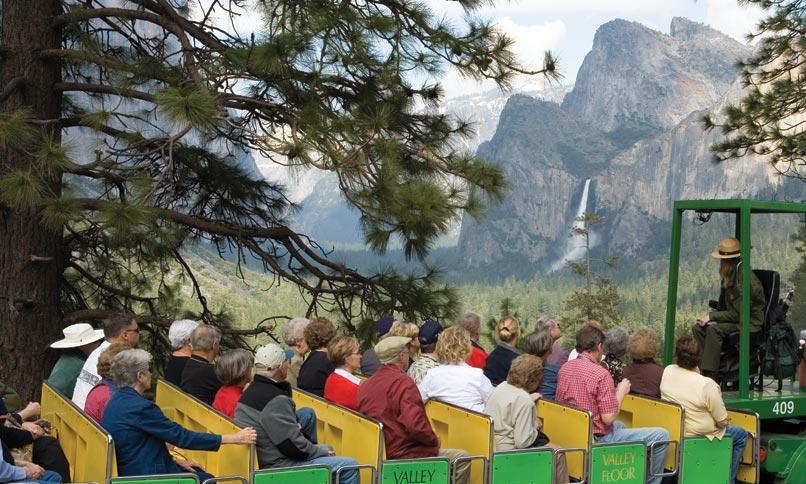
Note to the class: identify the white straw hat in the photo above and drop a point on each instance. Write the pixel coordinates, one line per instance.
(77, 335)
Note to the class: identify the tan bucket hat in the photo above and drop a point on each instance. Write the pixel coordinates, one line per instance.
(77, 335)
(729, 248)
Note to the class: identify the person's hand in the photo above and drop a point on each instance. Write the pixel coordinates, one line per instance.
(31, 410)
(623, 387)
(331, 452)
(33, 471)
(189, 465)
(35, 430)
(246, 436)
(535, 396)
(703, 320)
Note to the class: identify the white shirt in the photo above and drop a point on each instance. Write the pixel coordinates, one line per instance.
(574, 354)
(460, 385)
(89, 375)
(346, 374)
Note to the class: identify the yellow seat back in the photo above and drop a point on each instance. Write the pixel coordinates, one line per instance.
(749, 466)
(638, 411)
(569, 428)
(229, 460)
(458, 428)
(348, 432)
(88, 447)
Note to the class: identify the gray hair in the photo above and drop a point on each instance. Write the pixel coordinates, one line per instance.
(127, 364)
(545, 322)
(471, 322)
(294, 330)
(615, 342)
(179, 332)
(233, 366)
(539, 343)
(204, 337)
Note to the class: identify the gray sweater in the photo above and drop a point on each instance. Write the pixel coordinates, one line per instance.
(266, 406)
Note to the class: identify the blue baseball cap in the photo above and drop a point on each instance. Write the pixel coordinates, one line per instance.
(429, 332)
(383, 325)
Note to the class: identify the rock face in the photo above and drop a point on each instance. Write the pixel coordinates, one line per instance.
(631, 125)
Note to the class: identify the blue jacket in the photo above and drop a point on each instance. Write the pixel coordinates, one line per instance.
(499, 361)
(548, 387)
(140, 431)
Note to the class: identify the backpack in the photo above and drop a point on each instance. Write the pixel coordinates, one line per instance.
(781, 356)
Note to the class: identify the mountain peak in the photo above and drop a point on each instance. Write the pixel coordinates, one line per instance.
(685, 29)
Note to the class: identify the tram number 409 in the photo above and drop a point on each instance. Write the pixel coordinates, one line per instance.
(785, 407)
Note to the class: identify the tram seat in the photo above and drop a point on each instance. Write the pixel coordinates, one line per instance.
(729, 369)
(569, 428)
(749, 466)
(459, 428)
(189, 412)
(522, 466)
(185, 478)
(704, 460)
(348, 432)
(401, 470)
(312, 474)
(87, 446)
(640, 411)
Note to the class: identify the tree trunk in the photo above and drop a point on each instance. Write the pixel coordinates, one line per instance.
(30, 317)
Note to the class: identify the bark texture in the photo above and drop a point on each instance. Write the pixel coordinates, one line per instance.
(30, 254)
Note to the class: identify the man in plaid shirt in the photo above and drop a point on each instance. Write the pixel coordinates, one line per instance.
(585, 384)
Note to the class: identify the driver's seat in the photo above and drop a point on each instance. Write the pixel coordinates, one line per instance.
(729, 370)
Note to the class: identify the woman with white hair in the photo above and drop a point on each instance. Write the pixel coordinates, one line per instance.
(140, 430)
(179, 336)
(294, 338)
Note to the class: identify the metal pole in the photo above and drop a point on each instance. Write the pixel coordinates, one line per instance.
(744, 326)
(671, 295)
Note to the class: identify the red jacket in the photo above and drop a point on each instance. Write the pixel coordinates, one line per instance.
(341, 391)
(226, 399)
(478, 357)
(391, 397)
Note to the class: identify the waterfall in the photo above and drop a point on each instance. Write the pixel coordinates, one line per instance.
(575, 247)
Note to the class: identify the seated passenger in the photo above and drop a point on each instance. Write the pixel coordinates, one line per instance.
(711, 328)
(234, 370)
(341, 386)
(574, 354)
(267, 405)
(427, 336)
(198, 377)
(583, 383)
(472, 324)
(409, 330)
(615, 347)
(18, 432)
(23, 471)
(498, 361)
(179, 337)
(705, 413)
(454, 381)
(512, 407)
(79, 341)
(294, 338)
(369, 360)
(392, 398)
(100, 394)
(316, 368)
(140, 430)
(541, 344)
(644, 374)
(558, 355)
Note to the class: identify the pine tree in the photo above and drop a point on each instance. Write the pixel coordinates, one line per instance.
(769, 120)
(598, 299)
(120, 128)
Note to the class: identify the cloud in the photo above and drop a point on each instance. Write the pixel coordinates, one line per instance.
(733, 19)
(531, 42)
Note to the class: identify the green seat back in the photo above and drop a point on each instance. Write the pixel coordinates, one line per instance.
(528, 466)
(159, 479)
(621, 462)
(420, 471)
(293, 475)
(705, 460)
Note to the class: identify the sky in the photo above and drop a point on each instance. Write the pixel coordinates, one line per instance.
(567, 27)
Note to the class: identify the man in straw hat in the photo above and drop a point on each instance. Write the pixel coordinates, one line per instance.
(391, 397)
(78, 342)
(713, 327)
(267, 406)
